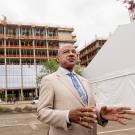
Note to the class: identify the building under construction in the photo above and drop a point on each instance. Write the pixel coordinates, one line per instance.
(22, 49)
(87, 53)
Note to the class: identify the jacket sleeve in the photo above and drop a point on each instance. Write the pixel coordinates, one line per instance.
(101, 121)
(45, 109)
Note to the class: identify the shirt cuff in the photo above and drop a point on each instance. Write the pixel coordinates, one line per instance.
(67, 118)
(104, 121)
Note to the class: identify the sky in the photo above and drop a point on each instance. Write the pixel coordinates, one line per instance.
(90, 18)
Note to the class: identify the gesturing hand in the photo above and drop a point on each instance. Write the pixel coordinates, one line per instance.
(118, 114)
(83, 116)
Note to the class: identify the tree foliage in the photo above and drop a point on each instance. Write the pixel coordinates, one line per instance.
(77, 70)
(49, 66)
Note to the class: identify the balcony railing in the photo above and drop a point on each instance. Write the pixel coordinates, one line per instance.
(53, 38)
(87, 52)
(29, 47)
(9, 46)
(2, 56)
(87, 60)
(8, 36)
(26, 56)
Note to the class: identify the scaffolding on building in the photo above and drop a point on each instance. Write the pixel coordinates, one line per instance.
(24, 44)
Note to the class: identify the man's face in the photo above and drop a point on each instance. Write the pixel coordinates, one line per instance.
(67, 57)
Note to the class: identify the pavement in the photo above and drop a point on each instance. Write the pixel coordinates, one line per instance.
(27, 124)
(21, 124)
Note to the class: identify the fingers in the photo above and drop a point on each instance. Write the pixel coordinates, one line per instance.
(124, 117)
(88, 117)
(123, 108)
(119, 110)
(83, 116)
(88, 120)
(131, 112)
(128, 112)
(121, 122)
(121, 118)
(87, 125)
(89, 114)
(116, 109)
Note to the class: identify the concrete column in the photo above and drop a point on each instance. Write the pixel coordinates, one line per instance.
(21, 94)
(5, 53)
(36, 90)
(6, 95)
(35, 64)
(46, 34)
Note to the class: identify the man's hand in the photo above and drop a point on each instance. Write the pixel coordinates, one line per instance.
(118, 114)
(84, 116)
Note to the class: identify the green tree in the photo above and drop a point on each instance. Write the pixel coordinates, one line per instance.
(49, 66)
(77, 70)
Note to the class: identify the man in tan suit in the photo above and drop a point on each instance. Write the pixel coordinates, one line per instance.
(66, 102)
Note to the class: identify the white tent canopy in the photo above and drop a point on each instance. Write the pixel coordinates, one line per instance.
(112, 71)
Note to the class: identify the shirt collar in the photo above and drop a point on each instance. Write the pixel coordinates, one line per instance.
(65, 71)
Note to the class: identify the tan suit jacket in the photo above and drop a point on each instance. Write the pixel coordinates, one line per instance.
(57, 97)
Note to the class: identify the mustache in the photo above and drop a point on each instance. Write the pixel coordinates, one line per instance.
(72, 57)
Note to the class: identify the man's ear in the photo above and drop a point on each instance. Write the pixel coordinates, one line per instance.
(57, 59)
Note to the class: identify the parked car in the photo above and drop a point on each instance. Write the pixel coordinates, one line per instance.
(35, 100)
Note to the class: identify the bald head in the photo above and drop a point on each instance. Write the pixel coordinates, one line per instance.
(67, 56)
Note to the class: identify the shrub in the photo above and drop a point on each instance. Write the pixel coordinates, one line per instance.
(5, 109)
(29, 109)
(18, 109)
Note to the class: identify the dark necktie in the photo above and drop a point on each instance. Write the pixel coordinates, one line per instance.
(81, 92)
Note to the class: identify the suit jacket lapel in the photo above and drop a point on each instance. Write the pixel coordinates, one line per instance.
(68, 84)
